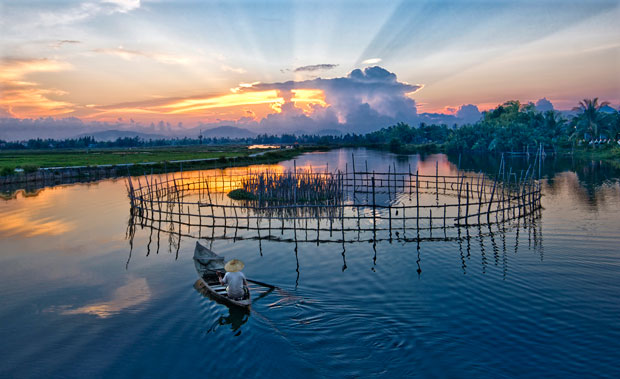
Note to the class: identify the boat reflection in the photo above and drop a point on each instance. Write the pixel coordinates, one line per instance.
(236, 318)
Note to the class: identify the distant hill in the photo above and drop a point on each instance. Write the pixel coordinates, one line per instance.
(225, 132)
(112, 135)
(608, 109)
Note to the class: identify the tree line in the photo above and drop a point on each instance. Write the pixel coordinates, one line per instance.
(511, 126)
(124, 142)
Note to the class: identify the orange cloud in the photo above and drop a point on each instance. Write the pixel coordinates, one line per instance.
(305, 98)
(247, 103)
(236, 99)
(241, 104)
(21, 98)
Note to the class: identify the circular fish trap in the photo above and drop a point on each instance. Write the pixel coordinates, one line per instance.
(350, 206)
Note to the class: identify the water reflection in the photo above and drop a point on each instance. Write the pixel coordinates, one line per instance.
(128, 296)
(235, 318)
(10, 191)
(586, 177)
(338, 307)
(485, 237)
(31, 224)
(193, 205)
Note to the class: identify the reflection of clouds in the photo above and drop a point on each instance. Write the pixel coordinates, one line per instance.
(29, 226)
(567, 188)
(135, 292)
(216, 181)
(65, 212)
(427, 166)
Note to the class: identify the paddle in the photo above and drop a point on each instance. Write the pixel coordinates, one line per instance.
(271, 288)
(257, 282)
(263, 284)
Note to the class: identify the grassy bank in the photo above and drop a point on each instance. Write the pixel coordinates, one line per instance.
(221, 156)
(606, 154)
(269, 157)
(89, 157)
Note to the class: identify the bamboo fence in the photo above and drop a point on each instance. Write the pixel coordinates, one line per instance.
(302, 205)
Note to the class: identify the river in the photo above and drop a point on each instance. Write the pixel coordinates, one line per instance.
(82, 299)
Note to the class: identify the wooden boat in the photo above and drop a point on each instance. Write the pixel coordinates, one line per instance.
(207, 265)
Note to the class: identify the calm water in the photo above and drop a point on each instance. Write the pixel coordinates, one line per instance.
(538, 299)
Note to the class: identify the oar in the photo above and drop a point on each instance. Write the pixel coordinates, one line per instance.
(270, 290)
(263, 284)
(282, 292)
(255, 282)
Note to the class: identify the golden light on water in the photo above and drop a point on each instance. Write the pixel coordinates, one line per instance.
(30, 225)
(135, 292)
(203, 182)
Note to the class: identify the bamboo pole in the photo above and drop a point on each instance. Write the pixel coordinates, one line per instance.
(430, 220)
(404, 221)
(437, 181)
(467, 207)
(490, 203)
(410, 181)
(374, 207)
(480, 192)
(389, 191)
(417, 202)
(354, 174)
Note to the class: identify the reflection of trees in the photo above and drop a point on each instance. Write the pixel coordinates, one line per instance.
(9, 194)
(592, 176)
(569, 185)
(9, 190)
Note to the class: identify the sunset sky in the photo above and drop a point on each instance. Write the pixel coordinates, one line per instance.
(277, 63)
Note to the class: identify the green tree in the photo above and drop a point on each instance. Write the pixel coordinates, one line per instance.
(590, 118)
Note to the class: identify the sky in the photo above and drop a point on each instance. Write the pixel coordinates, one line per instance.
(285, 66)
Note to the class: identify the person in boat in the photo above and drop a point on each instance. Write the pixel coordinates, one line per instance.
(234, 280)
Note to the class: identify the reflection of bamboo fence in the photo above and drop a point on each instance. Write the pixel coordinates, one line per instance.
(364, 205)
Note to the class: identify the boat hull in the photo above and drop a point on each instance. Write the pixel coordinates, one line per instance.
(208, 264)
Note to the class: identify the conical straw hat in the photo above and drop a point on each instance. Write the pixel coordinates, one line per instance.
(234, 265)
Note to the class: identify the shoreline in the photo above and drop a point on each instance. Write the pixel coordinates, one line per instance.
(104, 171)
(87, 173)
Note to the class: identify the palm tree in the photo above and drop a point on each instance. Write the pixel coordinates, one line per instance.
(589, 115)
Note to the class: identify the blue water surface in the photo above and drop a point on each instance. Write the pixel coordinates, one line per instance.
(528, 300)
